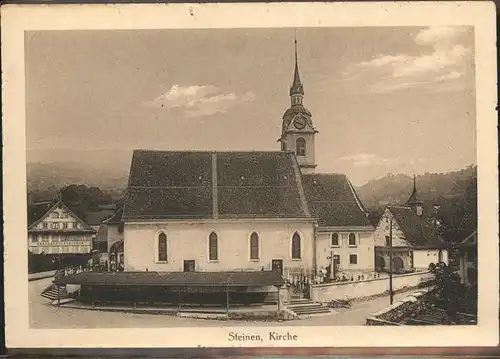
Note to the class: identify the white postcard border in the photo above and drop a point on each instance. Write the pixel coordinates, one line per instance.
(19, 18)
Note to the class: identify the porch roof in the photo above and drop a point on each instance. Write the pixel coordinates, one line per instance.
(210, 279)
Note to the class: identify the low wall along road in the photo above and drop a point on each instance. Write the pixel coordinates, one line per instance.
(41, 275)
(365, 288)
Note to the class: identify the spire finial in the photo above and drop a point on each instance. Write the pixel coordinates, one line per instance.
(295, 42)
(414, 182)
(297, 88)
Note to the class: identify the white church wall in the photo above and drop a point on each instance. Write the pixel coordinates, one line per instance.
(189, 241)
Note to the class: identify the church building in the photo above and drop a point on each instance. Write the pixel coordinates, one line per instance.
(211, 211)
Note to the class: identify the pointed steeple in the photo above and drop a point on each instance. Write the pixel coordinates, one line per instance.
(415, 201)
(297, 89)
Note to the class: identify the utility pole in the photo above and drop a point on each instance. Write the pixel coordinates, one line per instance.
(391, 294)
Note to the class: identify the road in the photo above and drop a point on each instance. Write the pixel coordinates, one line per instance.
(45, 316)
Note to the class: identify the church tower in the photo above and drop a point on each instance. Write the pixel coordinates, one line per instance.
(414, 201)
(297, 131)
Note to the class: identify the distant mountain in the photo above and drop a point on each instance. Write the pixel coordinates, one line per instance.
(52, 176)
(432, 187)
(391, 189)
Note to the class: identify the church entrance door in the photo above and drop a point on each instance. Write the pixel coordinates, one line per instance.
(189, 266)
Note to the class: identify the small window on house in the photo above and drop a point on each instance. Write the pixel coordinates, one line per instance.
(387, 241)
(75, 225)
(254, 246)
(55, 215)
(162, 247)
(213, 250)
(55, 225)
(352, 239)
(65, 225)
(64, 215)
(283, 146)
(335, 239)
(45, 225)
(301, 146)
(353, 259)
(35, 238)
(296, 246)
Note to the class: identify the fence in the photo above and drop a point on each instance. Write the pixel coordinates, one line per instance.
(375, 285)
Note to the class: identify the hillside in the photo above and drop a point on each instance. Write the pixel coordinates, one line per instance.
(49, 178)
(46, 179)
(433, 187)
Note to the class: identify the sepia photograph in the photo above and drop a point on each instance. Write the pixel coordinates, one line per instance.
(241, 177)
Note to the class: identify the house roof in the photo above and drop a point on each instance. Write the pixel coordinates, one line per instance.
(334, 201)
(419, 232)
(37, 210)
(95, 218)
(116, 218)
(470, 240)
(41, 213)
(204, 185)
(211, 279)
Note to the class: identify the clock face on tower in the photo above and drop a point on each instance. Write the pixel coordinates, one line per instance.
(299, 122)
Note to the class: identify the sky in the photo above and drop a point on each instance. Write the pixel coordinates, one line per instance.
(384, 100)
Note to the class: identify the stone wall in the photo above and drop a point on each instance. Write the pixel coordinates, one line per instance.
(393, 314)
(366, 288)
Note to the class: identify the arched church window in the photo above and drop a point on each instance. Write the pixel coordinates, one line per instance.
(162, 247)
(301, 146)
(213, 247)
(296, 250)
(254, 246)
(335, 239)
(352, 239)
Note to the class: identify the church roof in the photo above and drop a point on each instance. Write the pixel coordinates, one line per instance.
(419, 232)
(334, 201)
(295, 109)
(205, 185)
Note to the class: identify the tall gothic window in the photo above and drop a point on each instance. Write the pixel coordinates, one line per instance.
(254, 246)
(162, 247)
(296, 246)
(213, 245)
(301, 146)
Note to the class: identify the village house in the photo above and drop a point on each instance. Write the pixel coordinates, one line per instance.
(55, 229)
(415, 239)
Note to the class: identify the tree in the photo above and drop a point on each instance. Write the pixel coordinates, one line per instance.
(448, 292)
(458, 216)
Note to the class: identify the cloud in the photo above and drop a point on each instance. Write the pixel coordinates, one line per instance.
(197, 101)
(442, 59)
(369, 159)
